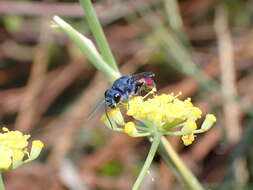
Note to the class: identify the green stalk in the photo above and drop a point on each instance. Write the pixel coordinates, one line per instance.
(175, 19)
(87, 48)
(182, 172)
(98, 33)
(149, 159)
(1, 182)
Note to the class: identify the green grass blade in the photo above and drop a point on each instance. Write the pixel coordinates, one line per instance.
(98, 33)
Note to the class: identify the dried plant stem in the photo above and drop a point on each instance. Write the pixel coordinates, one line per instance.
(228, 84)
(227, 67)
(28, 112)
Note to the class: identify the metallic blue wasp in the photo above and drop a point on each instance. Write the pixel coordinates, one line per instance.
(126, 87)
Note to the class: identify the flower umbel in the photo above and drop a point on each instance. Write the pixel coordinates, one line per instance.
(167, 111)
(163, 110)
(13, 149)
(162, 113)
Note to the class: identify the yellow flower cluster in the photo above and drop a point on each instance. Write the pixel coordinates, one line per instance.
(163, 110)
(13, 149)
(166, 111)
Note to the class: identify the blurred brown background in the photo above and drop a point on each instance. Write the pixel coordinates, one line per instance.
(203, 48)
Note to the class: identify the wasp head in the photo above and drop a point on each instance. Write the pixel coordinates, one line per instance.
(112, 98)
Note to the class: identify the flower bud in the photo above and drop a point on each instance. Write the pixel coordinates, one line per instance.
(188, 139)
(36, 149)
(208, 122)
(189, 126)
(130, 129)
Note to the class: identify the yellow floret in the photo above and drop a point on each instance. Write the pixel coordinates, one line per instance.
(130, 129)
(188, 139)
(195, 113)
(189, 125)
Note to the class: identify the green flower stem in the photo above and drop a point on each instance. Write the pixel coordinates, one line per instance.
(141, 128)
(182, 172)
(177, 133)
(1, 182)
(142, 135)
(118, 129)
(87, 48)
(180, 133)
(200, 131)
(98, 33)
(149, 159)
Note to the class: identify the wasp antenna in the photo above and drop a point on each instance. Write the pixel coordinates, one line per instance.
(107, 116)
(95, 109)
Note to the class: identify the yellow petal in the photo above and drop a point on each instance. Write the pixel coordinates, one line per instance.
(208, 122)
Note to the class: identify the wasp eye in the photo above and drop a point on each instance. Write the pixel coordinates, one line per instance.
(117, 98)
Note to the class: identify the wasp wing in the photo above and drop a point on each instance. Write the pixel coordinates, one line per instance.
(98, 106)
(142, 75)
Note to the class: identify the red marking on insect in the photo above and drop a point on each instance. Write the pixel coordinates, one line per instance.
(148, 81)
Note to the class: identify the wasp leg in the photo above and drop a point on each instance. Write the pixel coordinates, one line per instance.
(151, 92)
(112, 124)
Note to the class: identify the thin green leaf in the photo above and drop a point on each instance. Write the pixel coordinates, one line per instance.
(87, 48)
(98, 33)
